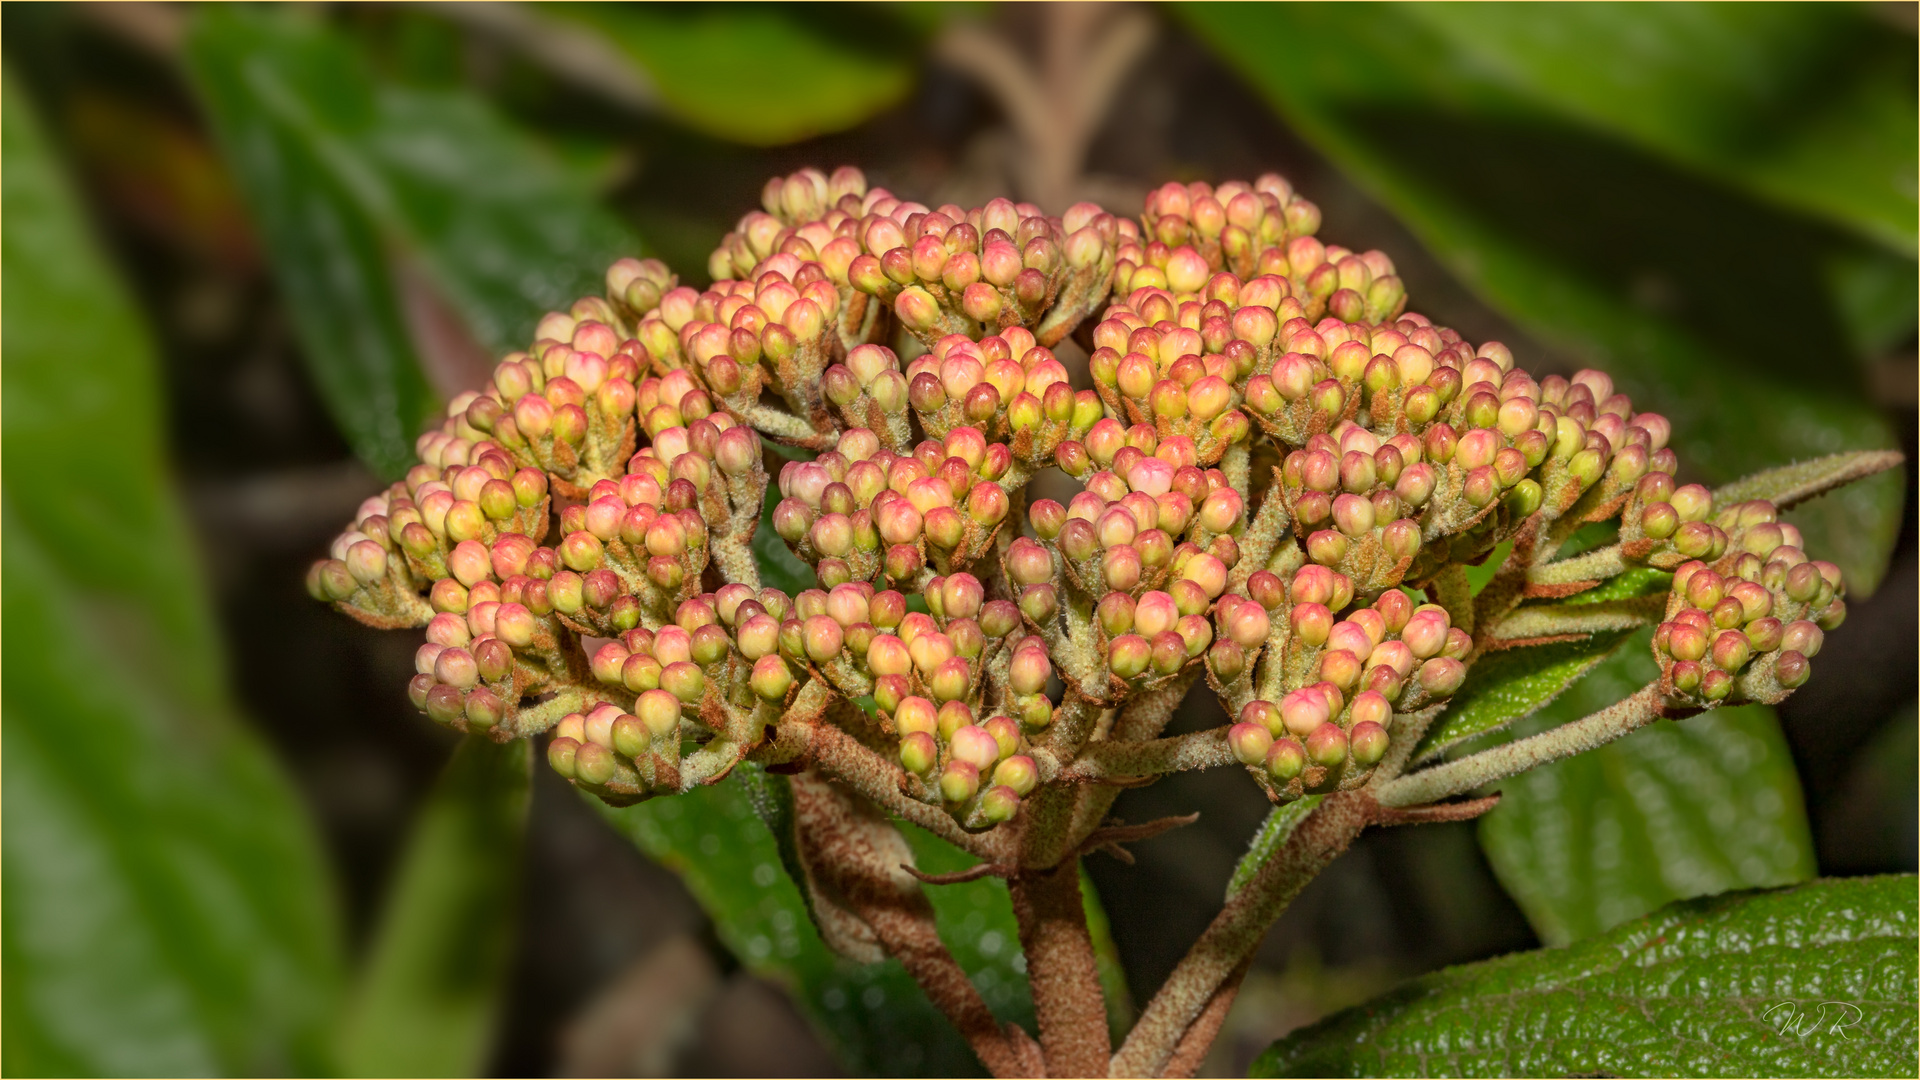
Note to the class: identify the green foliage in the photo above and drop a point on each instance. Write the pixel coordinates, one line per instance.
(1574, 220)
(1812, 107)
(433, 982)
(375, 200)
(167, 908)
(1280, 823)
(761, 74)
(1677, 810)
(1512, 684)
(1817, 980)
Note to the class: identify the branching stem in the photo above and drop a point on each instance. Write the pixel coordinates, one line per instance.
(1469, 773)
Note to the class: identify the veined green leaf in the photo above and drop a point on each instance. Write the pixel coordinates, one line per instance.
(1673, 811)
(1512, 684)
(167, 907)
(1671, 281)
(433, 981)
(1816, 980)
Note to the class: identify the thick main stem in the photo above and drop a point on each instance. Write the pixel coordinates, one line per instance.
(1236, 932)
(914, 940)
(1067, 999)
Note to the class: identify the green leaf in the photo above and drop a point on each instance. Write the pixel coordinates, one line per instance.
(167, 907)
(761, 74)
(433, 982)
(296, 169)
(1635, 582)
(506, 231)
(1817, 980)
(1808, 105)
(1280, 823)
(1668, 279)
(873, 1015)
(1675, 810)
(1512, 684)
(1106, 959)
(360, 188)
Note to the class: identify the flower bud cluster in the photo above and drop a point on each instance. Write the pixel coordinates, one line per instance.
(1144, 550)
(466, 674)
(435, 526)
(958, 688)
(1315, 689)
(860, 512)
(1747, 614)
(1276, 456)
(773, 334)
(1264, 229)
(1007, 386)
(979, 272)
(568, 405)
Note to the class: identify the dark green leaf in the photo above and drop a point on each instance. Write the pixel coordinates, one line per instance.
(167, 907)
(1511, 684)
(350, 178)
(264, 83)
(1809, 105)
(1674, 283)
(761, 73)
(507, 233)
(1817, 980)
(1673, 811)
(433, 982)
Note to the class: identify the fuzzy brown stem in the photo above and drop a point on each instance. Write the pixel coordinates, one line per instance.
(851, 853)
(1237, 930)
(1117, 760)
(1192, 1051)
(912, 938)
(1067, 999)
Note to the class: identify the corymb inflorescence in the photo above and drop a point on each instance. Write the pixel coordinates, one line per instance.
(1283, 474)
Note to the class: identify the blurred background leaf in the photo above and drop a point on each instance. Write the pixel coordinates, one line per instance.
(430, 990)
(382, 204)
(1809, 105)
(1676, 810)
(167, 906)
(760, 74)
(1715, 308)
(296, 168)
